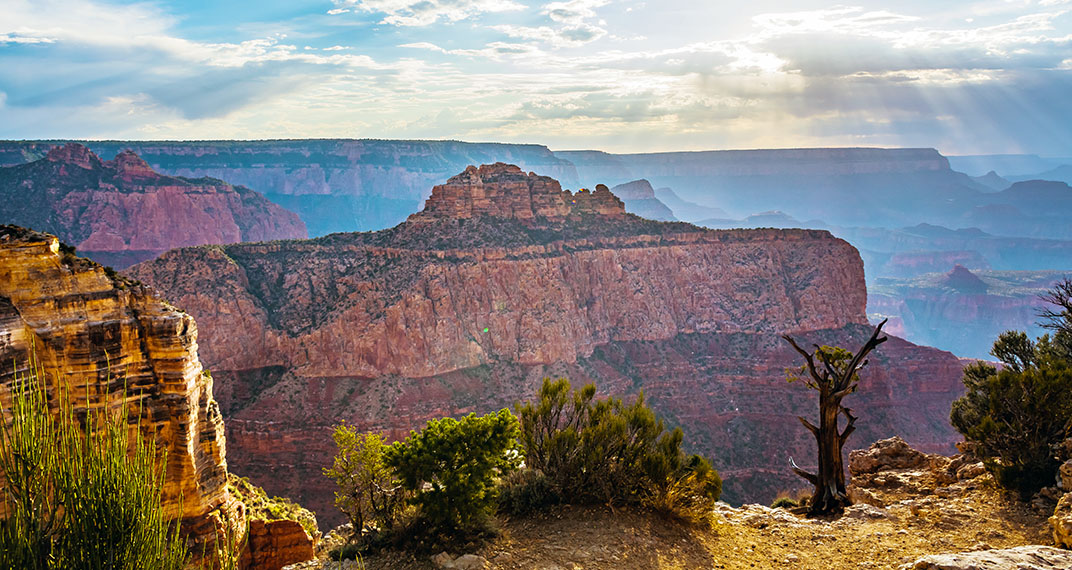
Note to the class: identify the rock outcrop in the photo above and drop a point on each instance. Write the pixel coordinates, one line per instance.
(639, 198)
(504, 191)
(1020, 558)
(468, 306)
(121, 211)
(102, 337)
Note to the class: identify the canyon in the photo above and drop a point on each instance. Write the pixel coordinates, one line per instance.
(106, 341)
(505, 278)
(964, 309)
(334, 185)
(121, 211)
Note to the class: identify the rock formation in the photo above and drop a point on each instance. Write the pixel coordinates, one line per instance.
(121, 211)
(639, 198)
(102, 337)
(335, 185)
(1033, 557)
(841, 186)
(504, 191)
(470, 304)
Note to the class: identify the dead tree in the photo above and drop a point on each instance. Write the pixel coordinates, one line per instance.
(834, 376)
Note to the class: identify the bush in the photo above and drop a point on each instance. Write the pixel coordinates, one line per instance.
(369, 492)
(77, 500)
(259, 506)
(450, 467)
(784, 503)
(604, 451)
(526, 491)
(1014, 418)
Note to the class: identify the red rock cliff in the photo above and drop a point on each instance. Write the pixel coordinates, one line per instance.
(469, 305)
(122, 211)
(103, 337)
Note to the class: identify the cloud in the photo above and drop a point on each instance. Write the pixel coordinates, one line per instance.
(426, 12)
(494, 50)
(569, 24)
(844, 41)
(18, 39)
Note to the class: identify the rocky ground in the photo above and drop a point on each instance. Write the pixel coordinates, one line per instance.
(909, 506)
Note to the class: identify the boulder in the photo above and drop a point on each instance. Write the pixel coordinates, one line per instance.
(1020, 558)
(892, 453)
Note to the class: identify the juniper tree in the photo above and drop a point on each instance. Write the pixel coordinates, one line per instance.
(834, 373)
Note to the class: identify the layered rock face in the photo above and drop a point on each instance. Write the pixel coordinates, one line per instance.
(469, 305)
(121, 211)
(96, 336)
(335, 185)
(107, 341)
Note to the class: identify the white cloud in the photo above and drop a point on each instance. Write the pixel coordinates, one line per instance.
(426, 12)
(494, 50)
(569, 26)
(19, 39)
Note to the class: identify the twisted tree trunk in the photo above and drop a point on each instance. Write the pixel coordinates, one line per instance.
(836, 378)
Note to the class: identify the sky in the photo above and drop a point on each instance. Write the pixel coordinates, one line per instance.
(966, 77)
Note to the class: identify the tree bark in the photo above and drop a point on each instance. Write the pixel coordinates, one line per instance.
(833, 382)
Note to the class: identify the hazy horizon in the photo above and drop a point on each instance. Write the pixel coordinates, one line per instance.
(966, 78)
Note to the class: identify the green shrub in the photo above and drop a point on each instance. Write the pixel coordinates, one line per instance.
(784, 503)
(607, 452)
(369, 493)
(526, 491)
(107, 481)
(451, 465)
(259, 506)
(1014, 418)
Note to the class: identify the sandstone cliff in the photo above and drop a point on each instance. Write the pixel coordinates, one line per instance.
(103, 337)
(121, 211)
(496, 285)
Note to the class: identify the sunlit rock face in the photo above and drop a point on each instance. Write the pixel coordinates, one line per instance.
(503, 280)
(107, 341)
(121, 211)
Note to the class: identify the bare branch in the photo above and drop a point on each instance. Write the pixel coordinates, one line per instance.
(811, 477)
(811, 427)
(849, 427)
(808, 358)
(867, 347)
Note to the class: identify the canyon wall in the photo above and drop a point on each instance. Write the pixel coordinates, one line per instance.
(463, 309)
(121, 211)
(335, 185)
(843, 186)
(108, 342)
